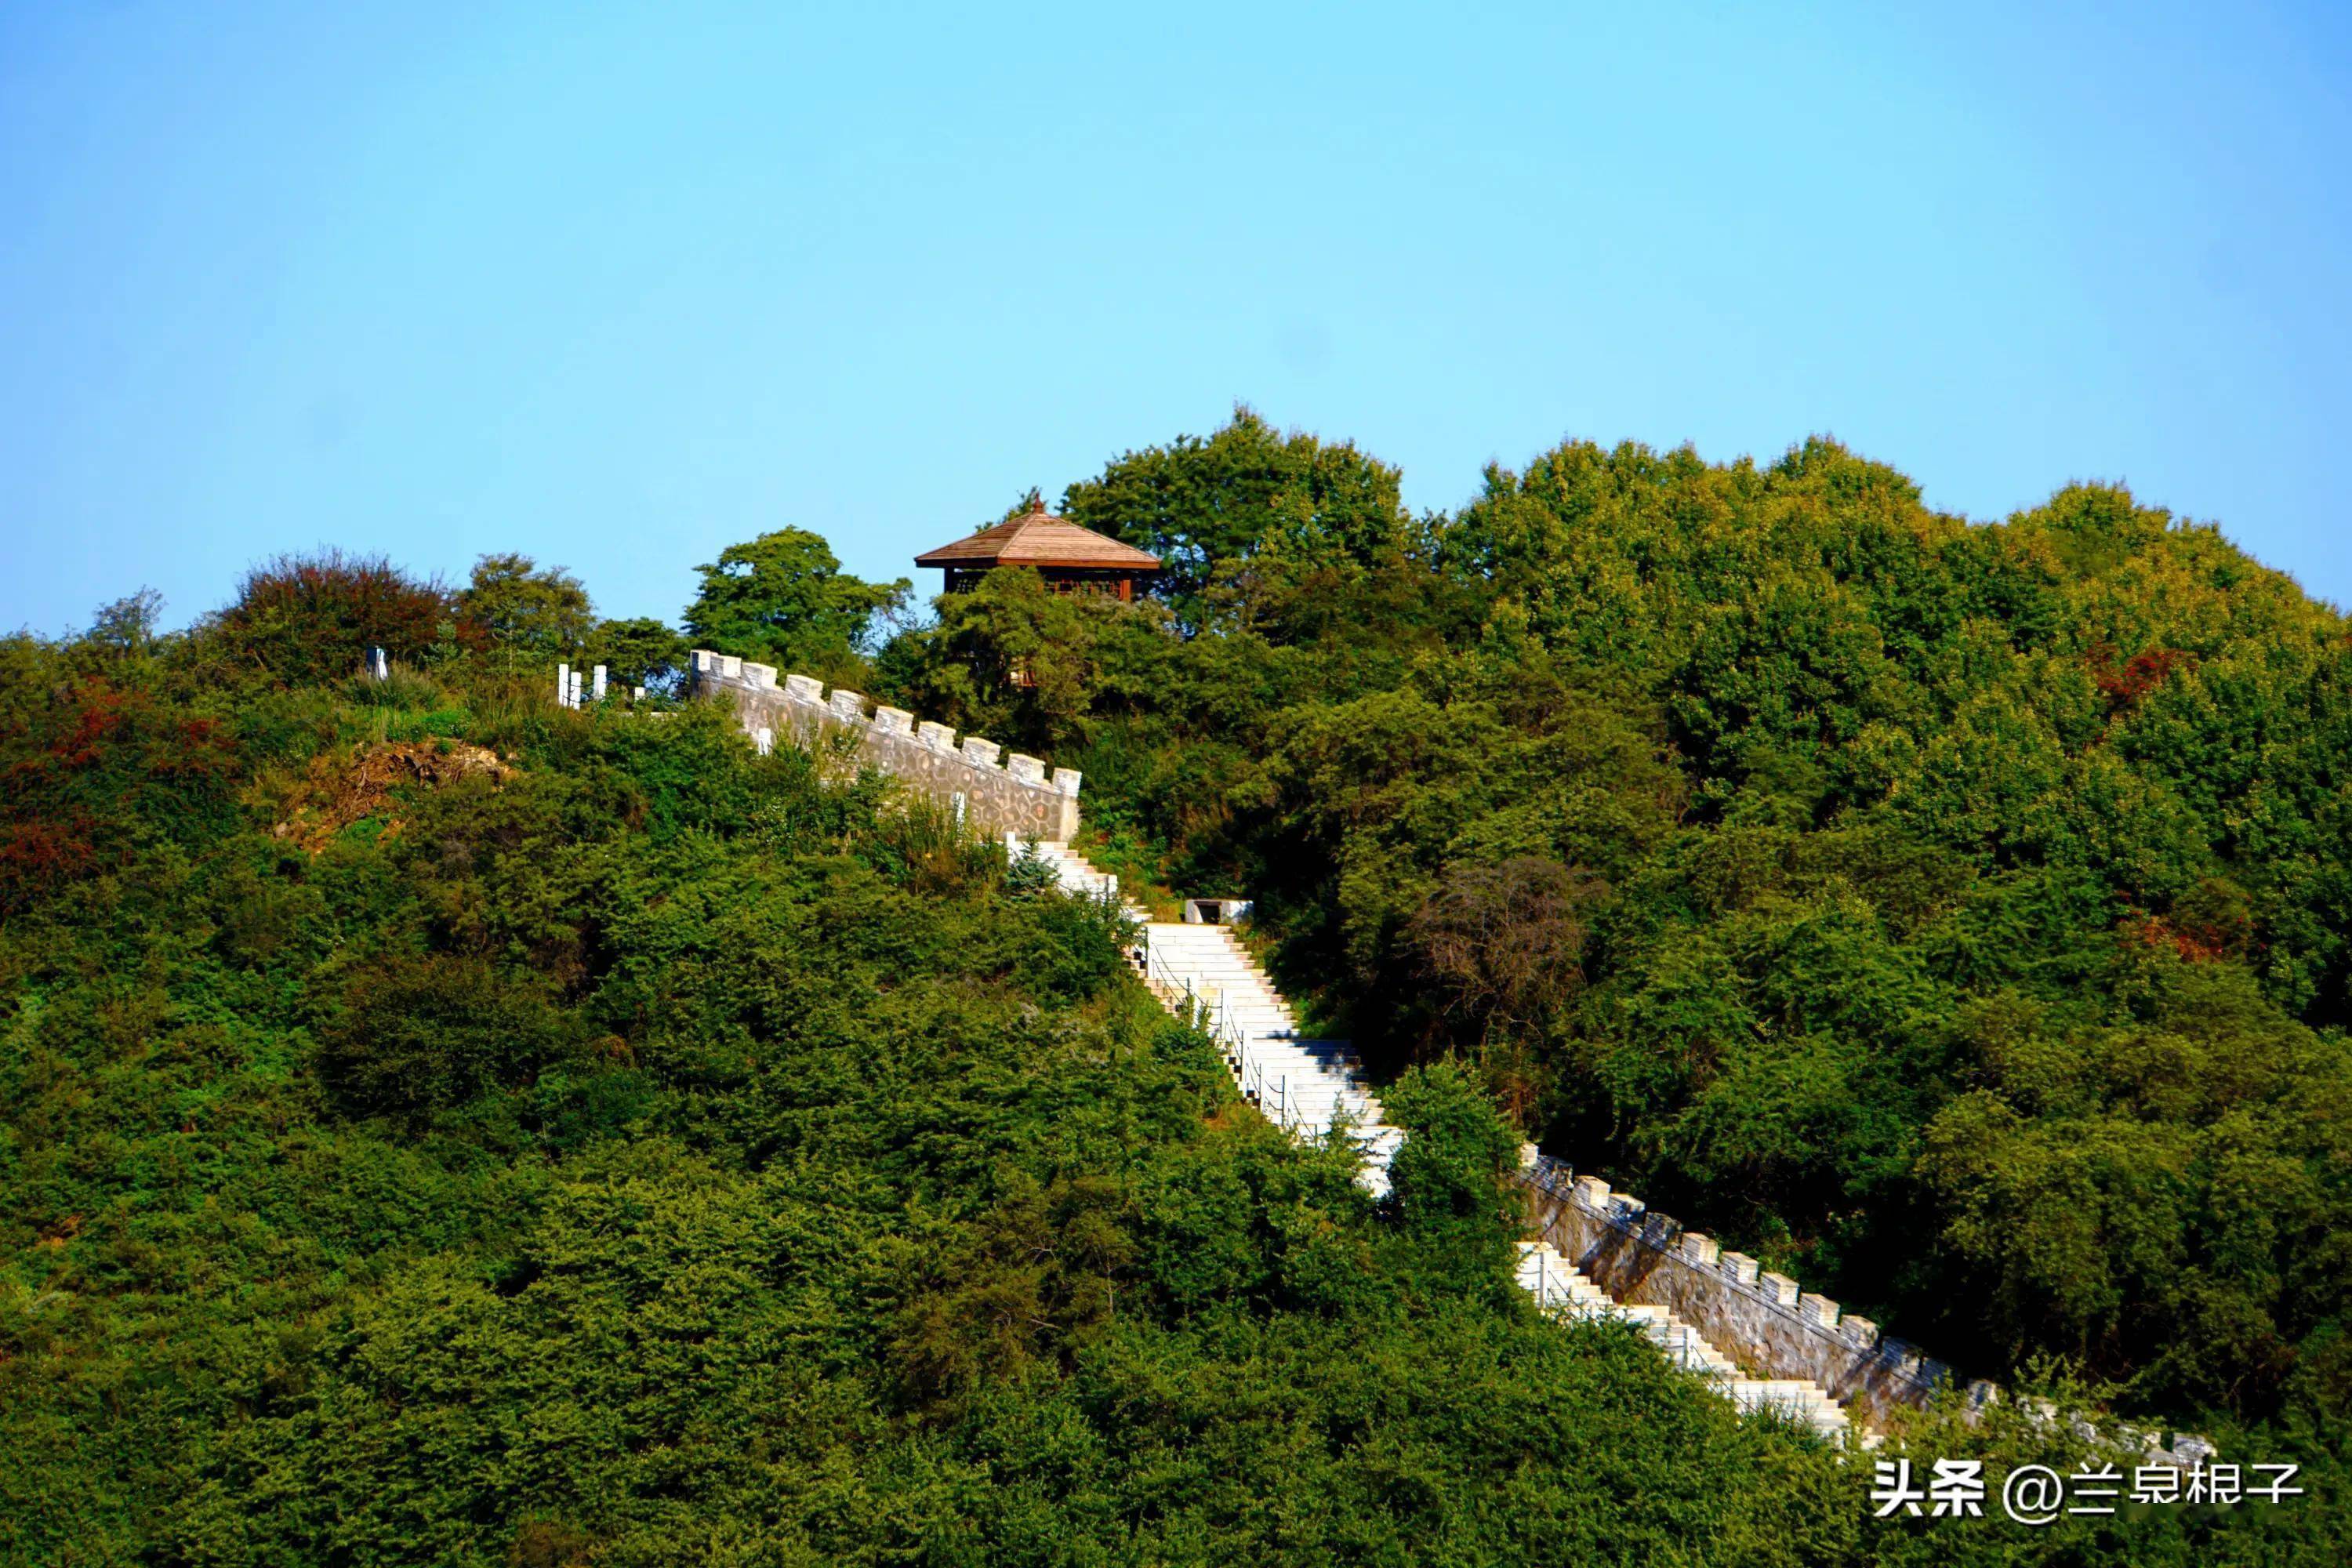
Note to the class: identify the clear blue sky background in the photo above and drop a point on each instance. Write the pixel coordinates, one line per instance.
(619, 285)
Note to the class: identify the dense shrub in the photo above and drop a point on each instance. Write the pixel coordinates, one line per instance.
(420, 1034)
(299, 619)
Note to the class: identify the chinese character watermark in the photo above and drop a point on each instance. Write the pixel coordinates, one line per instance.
(2037, 1495)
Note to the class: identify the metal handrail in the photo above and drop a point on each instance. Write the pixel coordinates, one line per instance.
(1268, 1091)
(1232, 1040)
(1219, 1024)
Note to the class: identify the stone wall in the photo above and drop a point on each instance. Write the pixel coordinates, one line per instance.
(1760, 1320)
(1764, 1322)
(993, 794)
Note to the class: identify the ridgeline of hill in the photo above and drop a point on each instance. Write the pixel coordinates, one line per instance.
(443, 1128)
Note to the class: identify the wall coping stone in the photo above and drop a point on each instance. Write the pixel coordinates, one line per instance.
(1017, 790)
(1849, 1357)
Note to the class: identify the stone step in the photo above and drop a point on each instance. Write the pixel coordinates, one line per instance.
(1543, 1269)
(1223, 976)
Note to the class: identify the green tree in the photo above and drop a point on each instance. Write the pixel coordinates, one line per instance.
(638, 651)
(783, 599)
(126, 626)
(526, 612)
(1448, 1183)
(1245, 491)
(1017, 661)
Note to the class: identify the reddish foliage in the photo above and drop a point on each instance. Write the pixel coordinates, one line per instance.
(314, 617)
(38, 853)
(2141, 674)
(90, 760)
(197, 751)
(2192, 944)
(102, 717)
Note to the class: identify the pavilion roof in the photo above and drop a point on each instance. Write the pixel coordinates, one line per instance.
(1038, 538)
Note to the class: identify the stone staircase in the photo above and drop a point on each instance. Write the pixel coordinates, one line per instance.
(1561, 1288)
(1306, 1086)
(1310, 1086)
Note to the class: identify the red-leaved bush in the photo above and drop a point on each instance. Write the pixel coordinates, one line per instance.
(314, 617)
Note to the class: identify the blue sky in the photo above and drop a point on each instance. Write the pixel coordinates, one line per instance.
(618, 286)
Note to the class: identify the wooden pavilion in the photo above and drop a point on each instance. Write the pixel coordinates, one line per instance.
(1069, 557)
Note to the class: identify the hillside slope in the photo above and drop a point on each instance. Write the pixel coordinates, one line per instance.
(641, 1154)
(441, 1127)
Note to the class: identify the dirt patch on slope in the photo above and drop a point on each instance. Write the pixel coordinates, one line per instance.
(334, 796)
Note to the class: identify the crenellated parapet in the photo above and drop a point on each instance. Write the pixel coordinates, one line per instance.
(993, 793)
(1761, 1320)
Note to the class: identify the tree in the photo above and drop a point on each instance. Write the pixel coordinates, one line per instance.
(1247, 491)
(783, 599)
(1504, 944)
(639, 651)
(128, 624)
(1015, 660)
(526, 612)
(1447, 1184)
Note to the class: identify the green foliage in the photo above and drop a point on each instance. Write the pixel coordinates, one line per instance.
(644, 1152)
(638, 651)
(1015, 660)
(1952, 915)
(1246, 494)
(1449, 1182)
(529, 615)
(654, 1153)
(126, 626)
(420, 1034)
(783, 599)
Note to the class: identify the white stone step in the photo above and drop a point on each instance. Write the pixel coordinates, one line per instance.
(1560, 1286)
